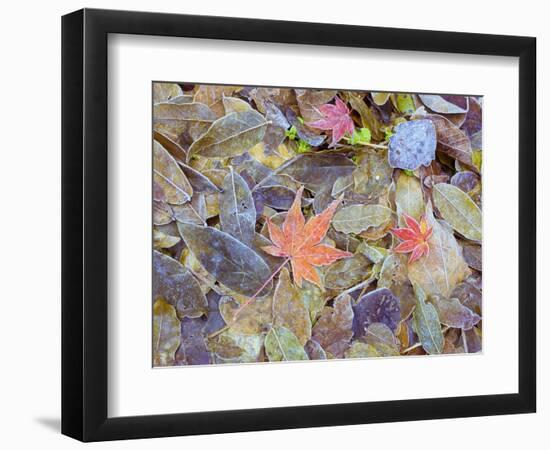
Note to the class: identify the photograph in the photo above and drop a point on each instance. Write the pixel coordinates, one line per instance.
(295, 224)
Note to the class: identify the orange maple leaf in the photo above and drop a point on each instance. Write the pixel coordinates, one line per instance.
(415, 238)
(300, 242)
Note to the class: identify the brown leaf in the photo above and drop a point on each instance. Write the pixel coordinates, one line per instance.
(289, 310)
(333, 330)
(172, 182)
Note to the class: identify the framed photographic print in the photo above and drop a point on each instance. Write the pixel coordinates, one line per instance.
(274, 224)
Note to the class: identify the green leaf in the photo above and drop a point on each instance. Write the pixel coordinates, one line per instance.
(360, 136)
(426, 324)
(282, 345)
(291, 133)
(357, 218)
(404, 103)
(231, 135)
(166, 333)
(459, 210)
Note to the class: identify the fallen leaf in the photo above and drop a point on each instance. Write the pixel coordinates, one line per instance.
(162, 92)
(426, 324)
(227, 259)
(289, 310)
(193, 349)
(412, 145)
(173, 282)
(314, 350)
(336, 118)
(173, 184)
(282, 345)
(333, 331)
(451, 140)
(459, 210)
(253, 319)
(357, 218)
(231, 347)
(444, 267)
(381, 306)
(176, 119)
(347, 272)
(237, 210)
(300, 242)
(166, 333)
(231, 135)
(415, 238)
(408, 197)
(445, 104)
(315, 170)
(453, 313)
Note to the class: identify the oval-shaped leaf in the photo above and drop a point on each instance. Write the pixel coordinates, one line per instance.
(289, 310)
(282, 345)
(162, 92)
(347, 272)
(228, 260)
(459, 210)
(231, 135)
(445, 104)
(175, 119)
(451, 140)
(426, 324)
(173, 185)
(357, 218)
(316, 170)
(408, 197)
(173, 282)
(453, 313)
(237, 210)
(166, 333)
(251, 319)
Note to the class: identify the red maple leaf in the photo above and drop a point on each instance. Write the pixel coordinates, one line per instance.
(336, 118)
(415, 238)
(300, 242)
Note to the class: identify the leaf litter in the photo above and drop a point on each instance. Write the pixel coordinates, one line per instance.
(313, 224)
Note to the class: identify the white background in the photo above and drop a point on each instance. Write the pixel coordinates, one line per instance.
(30, 187)
(136, 389)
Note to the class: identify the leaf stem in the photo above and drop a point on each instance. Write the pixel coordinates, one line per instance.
(367, 144)
(251, 299)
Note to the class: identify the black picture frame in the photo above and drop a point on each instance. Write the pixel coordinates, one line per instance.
(84, 224)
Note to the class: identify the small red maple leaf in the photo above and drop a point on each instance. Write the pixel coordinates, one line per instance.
(300, 242)
(336, 118)
(415, 238)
